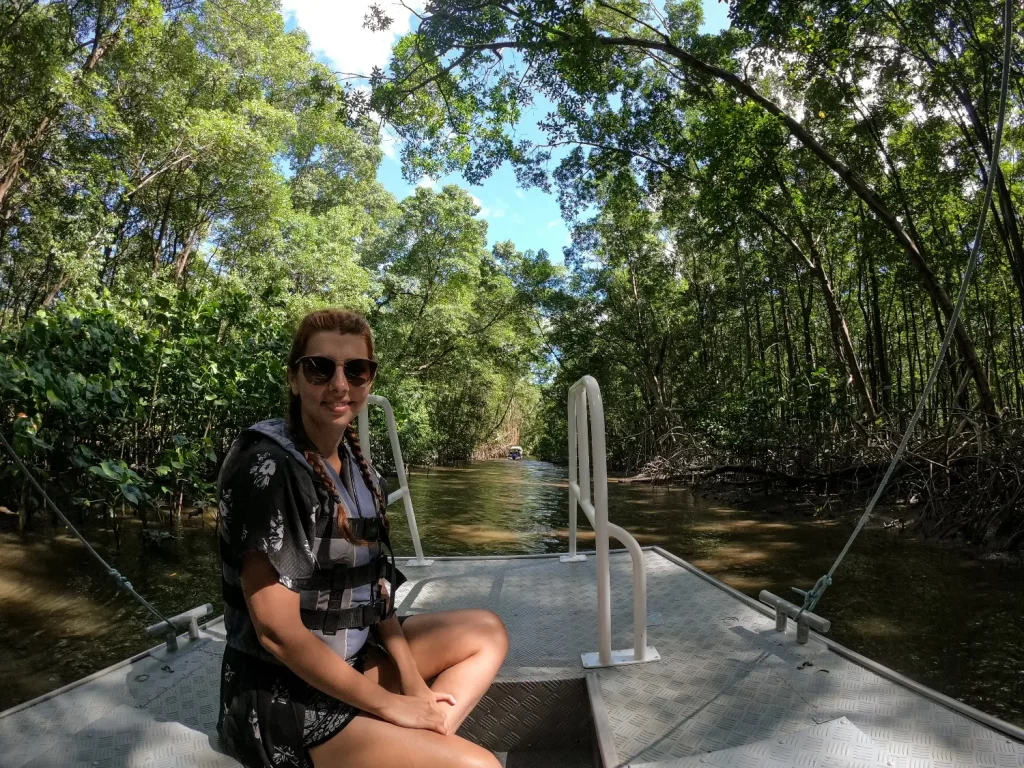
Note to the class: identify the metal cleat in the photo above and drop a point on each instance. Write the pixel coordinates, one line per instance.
(785, 610)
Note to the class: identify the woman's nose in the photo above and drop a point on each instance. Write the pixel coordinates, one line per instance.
(339, 383)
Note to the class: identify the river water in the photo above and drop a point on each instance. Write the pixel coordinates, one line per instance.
(939, 616)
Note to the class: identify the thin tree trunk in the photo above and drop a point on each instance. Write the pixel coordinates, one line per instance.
(884, 375)
(748, 353)
(52, 295)
(840, 330)
(806, 306)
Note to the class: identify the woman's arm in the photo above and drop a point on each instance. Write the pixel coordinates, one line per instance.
(274, 610)
(393, 639)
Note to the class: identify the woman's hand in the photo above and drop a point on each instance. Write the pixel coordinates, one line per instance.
(418, 711)
(424, 691)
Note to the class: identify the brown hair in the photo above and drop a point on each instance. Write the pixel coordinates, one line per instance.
(344, 322)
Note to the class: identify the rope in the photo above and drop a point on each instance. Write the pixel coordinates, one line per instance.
(122, 582)
(812, 597)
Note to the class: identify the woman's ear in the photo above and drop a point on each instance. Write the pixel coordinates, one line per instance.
(292, 384)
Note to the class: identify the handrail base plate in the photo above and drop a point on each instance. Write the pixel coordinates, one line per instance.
(418, 563)
(572, 558)
(619, 658)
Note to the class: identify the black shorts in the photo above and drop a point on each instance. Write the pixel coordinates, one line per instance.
(270, 717)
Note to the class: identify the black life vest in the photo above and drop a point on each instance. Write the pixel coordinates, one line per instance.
(335, 578)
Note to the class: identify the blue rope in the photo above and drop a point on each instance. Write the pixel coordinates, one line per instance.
(812, 597)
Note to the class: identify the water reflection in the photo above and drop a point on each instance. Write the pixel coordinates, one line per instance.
(950, 621)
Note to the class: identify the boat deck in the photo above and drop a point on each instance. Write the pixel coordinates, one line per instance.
(728, 691)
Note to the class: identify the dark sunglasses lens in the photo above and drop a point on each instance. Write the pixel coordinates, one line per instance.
(318, 370)
(360, 372)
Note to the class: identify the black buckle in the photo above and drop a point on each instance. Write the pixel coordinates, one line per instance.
(332, 615)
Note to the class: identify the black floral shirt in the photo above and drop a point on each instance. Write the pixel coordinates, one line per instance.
(270, 501)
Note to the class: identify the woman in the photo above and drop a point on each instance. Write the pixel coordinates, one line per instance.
(305, 584)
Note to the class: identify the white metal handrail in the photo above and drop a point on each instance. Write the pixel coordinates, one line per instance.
(581, 394)
(402, 492)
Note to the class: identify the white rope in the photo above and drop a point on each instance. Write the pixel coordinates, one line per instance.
(812, 597)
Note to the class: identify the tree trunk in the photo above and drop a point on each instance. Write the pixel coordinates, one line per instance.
(884, 375)
(837, 321)
(19, 153)
(748, 355)
(52, 295)
(806, 307)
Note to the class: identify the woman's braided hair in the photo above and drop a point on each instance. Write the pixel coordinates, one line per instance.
(344, 322)
(352, 438)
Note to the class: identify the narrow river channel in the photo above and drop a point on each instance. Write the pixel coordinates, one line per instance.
(939, 616)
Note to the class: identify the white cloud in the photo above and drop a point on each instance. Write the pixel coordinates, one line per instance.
(520, 194)
(554, 223)
(427, 182)
(336, 31)
(484, 210)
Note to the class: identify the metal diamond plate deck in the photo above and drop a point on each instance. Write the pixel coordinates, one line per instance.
(838, 744)
(726, 679)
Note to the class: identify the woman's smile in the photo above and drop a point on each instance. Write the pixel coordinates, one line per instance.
(338, 407)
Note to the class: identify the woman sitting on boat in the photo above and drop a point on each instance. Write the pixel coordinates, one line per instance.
(318, 669)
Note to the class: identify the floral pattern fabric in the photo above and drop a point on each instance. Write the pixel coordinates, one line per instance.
(270, 717)
(268, 503)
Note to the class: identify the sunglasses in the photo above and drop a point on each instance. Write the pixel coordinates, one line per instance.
(319, 369)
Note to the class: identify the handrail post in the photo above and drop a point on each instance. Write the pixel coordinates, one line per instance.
(604, 588)
(580, 444)
(403, 481)
(572, 557)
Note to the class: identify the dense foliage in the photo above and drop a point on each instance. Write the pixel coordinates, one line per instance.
(179, 182)
(770, 223)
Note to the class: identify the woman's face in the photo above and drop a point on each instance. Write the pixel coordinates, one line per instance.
(331, 406)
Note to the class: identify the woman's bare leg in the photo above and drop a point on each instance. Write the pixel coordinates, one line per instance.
(461, 651)
(368, 742)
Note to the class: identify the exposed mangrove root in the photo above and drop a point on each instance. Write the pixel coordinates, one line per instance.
(967, 483)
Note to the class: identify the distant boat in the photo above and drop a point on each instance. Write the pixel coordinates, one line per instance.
(515, 452)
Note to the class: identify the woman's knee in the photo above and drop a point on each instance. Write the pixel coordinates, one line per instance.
(493, 631)
(478, 757)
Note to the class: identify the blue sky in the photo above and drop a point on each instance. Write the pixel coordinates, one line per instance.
(530, 218)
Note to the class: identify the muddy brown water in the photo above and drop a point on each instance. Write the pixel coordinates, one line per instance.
(938, 615)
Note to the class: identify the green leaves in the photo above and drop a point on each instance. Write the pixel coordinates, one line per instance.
(101, 383)
(456, 324)
(119, 483)
(109, 470)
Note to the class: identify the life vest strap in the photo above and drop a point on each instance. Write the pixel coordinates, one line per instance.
(365, 528)
(337, 580)
(346, 577)
(335, 618)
